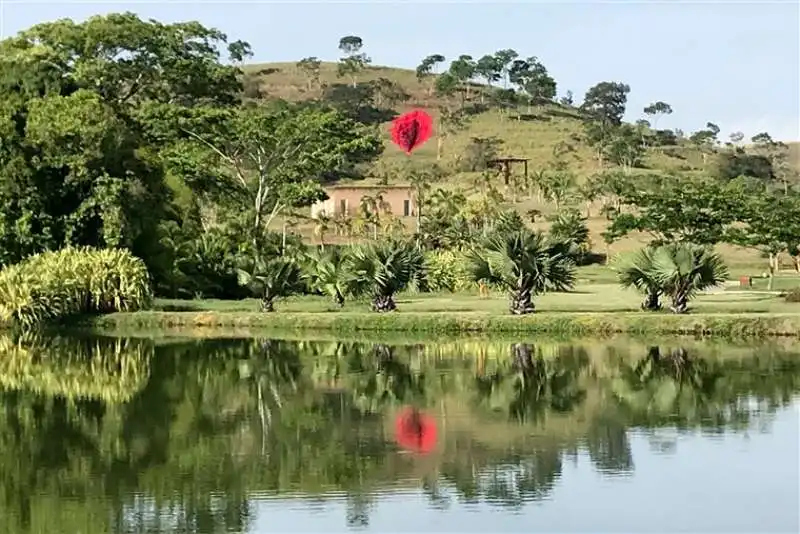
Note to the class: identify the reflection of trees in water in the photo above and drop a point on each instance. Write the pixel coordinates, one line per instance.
(528, 387)
(219, 419)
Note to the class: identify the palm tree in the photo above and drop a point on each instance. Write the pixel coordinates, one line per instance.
(636, 270)
(525, 263)
(322, 225)
(330, 274)
(684, 269)
(382, 269)
(272, 279)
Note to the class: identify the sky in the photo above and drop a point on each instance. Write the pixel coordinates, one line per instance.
(736, 64)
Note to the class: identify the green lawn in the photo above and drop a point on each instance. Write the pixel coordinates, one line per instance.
(588, 297)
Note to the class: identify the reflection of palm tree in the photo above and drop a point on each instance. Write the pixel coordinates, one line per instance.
(528, 388)
(668, 388)
(609, 448)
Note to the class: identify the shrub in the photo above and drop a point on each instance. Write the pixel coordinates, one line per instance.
(73, 281)
(793, 295)
(447, 270)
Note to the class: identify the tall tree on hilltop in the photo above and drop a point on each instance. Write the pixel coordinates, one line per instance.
(656, 110)
(488, 68)
(310, 67)
(534, 81)
(427, 68)
(463, 70)
(604, 106)
(354, 60)
(504, 60)
(778, 155)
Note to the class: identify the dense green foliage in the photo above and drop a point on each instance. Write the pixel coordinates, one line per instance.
(150, 137)
(70, 282)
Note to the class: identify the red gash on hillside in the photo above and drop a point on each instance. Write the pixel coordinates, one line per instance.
(411, 130)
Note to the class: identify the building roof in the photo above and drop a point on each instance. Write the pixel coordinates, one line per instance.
(368, 187)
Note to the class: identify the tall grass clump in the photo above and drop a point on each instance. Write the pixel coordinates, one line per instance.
(52, 286)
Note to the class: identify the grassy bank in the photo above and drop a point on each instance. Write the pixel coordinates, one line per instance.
(592, 309)
(721, 324)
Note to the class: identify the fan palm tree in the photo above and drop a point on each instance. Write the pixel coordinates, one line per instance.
(271, 279)
(684, 269)
(525, 263)
(636, 270)
(330, 274)
(382, 269)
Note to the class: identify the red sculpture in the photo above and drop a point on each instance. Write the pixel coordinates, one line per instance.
(415, 431)
(411, 130)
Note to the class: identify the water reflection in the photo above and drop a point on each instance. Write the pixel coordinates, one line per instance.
(109, 435)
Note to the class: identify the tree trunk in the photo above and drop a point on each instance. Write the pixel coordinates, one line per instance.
(383, 303)
(651, 301)
(267, 305)
(773, 267)
(339, 299)
(680, 303)
(439, 147)
(521, 302)
(521, 353)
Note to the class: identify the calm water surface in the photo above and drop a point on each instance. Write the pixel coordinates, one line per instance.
(109, 435)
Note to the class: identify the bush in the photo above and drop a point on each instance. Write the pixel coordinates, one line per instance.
(793, 295)
(447, 271)
(73, 281)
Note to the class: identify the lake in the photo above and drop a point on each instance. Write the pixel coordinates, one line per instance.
(181, 435)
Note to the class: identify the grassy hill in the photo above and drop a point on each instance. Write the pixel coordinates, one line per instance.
(525, 135)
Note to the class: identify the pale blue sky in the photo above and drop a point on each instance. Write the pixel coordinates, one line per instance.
(733, 63)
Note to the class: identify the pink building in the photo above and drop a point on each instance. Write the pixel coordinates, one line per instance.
(345, 200)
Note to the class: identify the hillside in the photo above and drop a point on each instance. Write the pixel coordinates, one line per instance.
(522, 133)
(533, 138)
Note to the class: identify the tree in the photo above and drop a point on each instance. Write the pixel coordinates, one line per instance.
(604, 106)
(462, 71)
(778, 155)
(387, 93)
(635, 270)
(605, 103)
(272, 279)
(504, 60)
(354, 61)
(427, 67)
(706, 140)
(657, 110)
(534, 80)
(678, 208)
(382, 269)
(684, 269)
(739, 163)
(524, 263)
(567, 99)
(452, 115)
(329, 273)
(625, 147)
(310, 66)
(273, 158)
(771, 225)
(87, 113)
(569, 226)
(488, 68)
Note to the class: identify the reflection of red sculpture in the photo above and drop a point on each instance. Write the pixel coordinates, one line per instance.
(415, 431)
(411, 130)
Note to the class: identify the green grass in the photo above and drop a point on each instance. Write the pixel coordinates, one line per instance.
(590, 309)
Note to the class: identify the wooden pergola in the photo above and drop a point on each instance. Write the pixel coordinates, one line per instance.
(504, 165)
